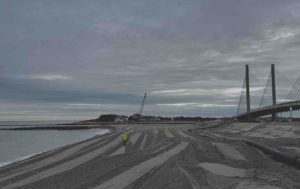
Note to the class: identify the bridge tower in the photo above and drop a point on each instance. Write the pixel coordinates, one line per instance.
(248, 90)
(274, 116)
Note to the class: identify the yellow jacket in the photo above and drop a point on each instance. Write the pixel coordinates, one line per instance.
(124, 136)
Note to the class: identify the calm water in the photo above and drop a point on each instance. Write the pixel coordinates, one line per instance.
(18, 145)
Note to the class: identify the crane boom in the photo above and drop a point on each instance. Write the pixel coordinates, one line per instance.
(143, 103)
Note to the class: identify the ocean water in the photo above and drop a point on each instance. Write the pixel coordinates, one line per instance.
(18, 145)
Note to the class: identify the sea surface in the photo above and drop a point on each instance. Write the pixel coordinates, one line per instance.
(19, 145)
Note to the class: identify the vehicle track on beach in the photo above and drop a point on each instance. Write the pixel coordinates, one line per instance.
(162, 156)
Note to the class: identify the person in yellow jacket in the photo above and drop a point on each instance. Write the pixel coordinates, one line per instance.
(124, 138)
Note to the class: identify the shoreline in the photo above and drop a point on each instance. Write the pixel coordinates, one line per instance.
(88, 125)
(59, 127)
(33, 155)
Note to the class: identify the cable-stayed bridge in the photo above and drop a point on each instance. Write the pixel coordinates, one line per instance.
(269, 103)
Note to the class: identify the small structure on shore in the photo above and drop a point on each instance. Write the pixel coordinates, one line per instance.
(112, 118)
(121, 119)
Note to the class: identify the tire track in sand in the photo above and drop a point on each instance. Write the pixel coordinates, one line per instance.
(122, 149)
(143, 142)
(63, 167)
(193, 182)
(168, 134)
(128, 177)
(134, 138)
(184, 135)
(52, 159)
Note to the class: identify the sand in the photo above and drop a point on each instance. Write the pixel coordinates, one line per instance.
(229, 152)
(224, 170)
(155, 157)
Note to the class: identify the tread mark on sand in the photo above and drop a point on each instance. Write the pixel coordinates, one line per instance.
(229, 151)
(134, 138)
(193, 182)
(161, 148)
(144, 141)
(168, 133)
(184, 135)
(58, 157)
(119, 151)
(155, 131)
(64, 167)
(128, 177)
(224, 170)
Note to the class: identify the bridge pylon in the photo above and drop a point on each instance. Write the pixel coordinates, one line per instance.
(274, 115)
(248, 90)
(290, 103)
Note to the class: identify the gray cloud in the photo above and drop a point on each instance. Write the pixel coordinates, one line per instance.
(57, 53)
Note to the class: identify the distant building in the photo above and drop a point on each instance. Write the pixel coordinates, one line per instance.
(135, 117)
(141, 118)
(156, 119)
(112, 118)
(120, 119)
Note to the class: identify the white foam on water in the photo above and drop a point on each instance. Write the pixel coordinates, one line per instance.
(224, 170)
(103, 132)
(2, 164)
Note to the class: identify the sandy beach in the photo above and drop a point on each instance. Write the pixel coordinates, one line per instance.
(167, 156)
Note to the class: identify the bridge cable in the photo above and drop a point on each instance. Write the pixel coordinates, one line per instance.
(265, 91)
(284, 84)
(297, 94)
(294, 91)
(267, 99)
(258, 84)
(241, 97)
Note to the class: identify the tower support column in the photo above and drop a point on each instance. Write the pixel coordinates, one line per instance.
(274, 116)
(248, 90)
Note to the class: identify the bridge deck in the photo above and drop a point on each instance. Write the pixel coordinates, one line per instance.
(267, 110)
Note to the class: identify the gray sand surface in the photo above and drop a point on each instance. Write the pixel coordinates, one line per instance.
(163, 156)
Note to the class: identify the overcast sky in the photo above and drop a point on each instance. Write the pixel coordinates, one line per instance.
(77, 59)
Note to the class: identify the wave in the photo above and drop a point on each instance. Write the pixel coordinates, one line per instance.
(103, 132)
(2, 164)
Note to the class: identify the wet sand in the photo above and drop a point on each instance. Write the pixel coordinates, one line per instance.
(157, 156)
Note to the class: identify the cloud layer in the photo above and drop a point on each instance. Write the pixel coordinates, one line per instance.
(62, 60)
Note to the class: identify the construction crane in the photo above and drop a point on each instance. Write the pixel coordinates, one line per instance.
(139, 116)
(143, 103)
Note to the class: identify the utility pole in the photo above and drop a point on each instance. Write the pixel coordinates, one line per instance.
(274, 116)
(248, 90)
